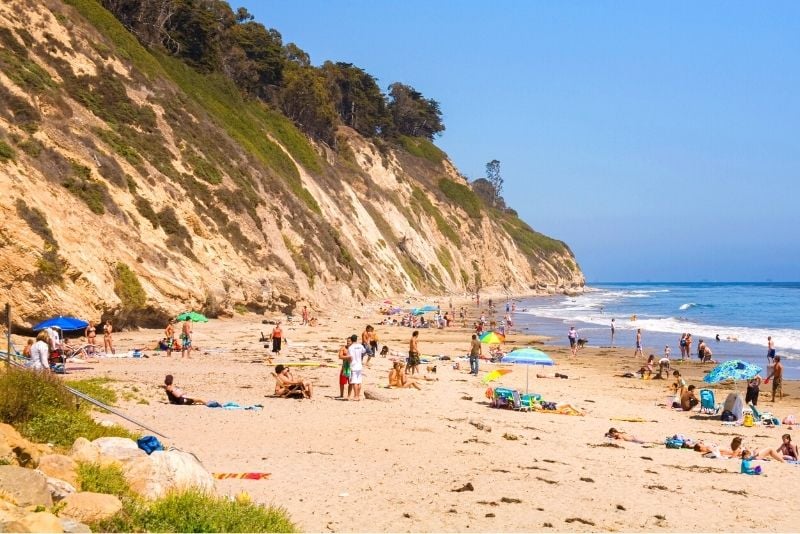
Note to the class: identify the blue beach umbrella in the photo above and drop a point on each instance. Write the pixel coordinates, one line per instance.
(527, 356)
(64, 323)
(732, 370)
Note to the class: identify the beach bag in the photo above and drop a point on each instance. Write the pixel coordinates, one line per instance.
(727, 415)
(789, 420)
(673, 442)
(149, 444)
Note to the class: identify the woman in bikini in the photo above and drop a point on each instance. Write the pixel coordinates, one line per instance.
(788, 449)
(91, 334)
(397, 379)
(108, 341)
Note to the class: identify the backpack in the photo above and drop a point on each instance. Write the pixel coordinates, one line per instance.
(673, 442)
(149, 444)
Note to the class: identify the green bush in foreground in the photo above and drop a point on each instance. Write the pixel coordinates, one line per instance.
(95, 388)
(41, 408)
(107, 479)
(193, 511)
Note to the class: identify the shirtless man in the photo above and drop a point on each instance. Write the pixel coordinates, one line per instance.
(638, 343)
(169, 335)
(366, 341)
(413, 353)
(777, 378)
(186, 339)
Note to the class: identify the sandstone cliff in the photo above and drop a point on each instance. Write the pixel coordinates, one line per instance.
(136, 188)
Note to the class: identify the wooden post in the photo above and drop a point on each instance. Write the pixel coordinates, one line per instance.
(8, 333)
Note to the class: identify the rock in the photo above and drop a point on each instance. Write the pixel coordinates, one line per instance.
(40, 522)
(59, 489)
(18, 450)
(163, 471)
(84, 450)
(24, 487)
(87, 507)
(9, 512)
(118, 450)
(60, 467)
(76, 527)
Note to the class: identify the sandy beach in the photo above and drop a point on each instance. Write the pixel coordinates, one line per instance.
(441, 459)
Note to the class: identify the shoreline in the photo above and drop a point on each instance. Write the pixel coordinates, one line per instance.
(401, 459)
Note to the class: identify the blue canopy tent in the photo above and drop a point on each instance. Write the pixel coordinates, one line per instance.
(66, 324)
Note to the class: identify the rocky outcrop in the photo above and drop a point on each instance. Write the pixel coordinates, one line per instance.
(163, 471)
(88, 507)
(16, 450)
(124, 197)
(24, 487)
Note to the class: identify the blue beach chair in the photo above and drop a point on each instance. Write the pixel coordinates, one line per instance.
(707, 402)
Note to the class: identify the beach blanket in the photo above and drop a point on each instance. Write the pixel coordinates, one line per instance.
(233, 406)
(244, 476)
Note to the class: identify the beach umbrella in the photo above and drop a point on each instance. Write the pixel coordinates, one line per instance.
(492, 338)
(64, 323)
(732, 370)
(429, 308)
(494, 375)
(527, 356)
(192, 316)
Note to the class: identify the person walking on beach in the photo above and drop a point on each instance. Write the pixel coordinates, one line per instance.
(356, 352)
(688, 346)
(683, 346)
(475, 352)
(366, 341)
(777, 378)
(638, 343)
(573, 340)
(413, 353)
(277, 339)
(186, 339)
(770, 350)
(305, 316)
(613, 331)
(108, 340)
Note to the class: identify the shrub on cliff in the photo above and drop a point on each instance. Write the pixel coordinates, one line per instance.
(128, 288)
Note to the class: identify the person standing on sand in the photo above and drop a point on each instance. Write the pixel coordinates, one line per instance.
(305, 316)
(688, 346)
(682, 345)
(366, 341)
(638, 343)
(344, 373)
(356, 352)
(413, 353)
(277, 338)
(91, 334)
(770, 350)
(777, 378)
(573, 340)
(169, 336)
(475, 352)
(108, 340)
(186, 339)
(613, 331)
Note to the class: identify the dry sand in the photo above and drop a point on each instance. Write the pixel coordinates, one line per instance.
(395, 464)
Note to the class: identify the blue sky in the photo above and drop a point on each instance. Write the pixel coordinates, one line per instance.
(660, 140)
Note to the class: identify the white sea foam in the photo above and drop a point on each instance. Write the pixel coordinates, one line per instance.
(687, 306)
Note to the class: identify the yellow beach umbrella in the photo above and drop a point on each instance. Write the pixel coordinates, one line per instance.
(494, 375)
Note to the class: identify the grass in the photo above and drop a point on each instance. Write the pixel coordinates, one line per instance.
(446, 260)
(128, 288)
(527, 239)
(95, 387)
(462, 196)
(37, 222)
(194, 511)
(422, 148)
(6, 152)
(107, 479)
(81, 184)
(42, 409)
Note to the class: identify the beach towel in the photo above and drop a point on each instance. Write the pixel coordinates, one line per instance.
(233, 406)
(243, 476)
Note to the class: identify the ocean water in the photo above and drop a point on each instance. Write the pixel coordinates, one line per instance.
(742, 314)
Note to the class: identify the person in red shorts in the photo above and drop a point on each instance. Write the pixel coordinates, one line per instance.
(344, 373)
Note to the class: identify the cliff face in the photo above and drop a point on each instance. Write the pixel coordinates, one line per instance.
(136, 188)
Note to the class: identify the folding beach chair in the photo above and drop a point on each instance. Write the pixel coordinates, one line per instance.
(517, 404)
(503, 397)
(707, 402)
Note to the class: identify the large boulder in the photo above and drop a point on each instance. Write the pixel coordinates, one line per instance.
(18, 450)
(163, 471)
(84, 450)
(59, 489)
(118, 450)
(75, 527)
(60, 467)
(24, 487)
(9, 512)
(88, 507)
(40, 522)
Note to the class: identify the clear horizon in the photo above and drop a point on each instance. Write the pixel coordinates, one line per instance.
(658, 140)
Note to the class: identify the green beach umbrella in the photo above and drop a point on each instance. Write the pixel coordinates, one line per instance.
(192, 316)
